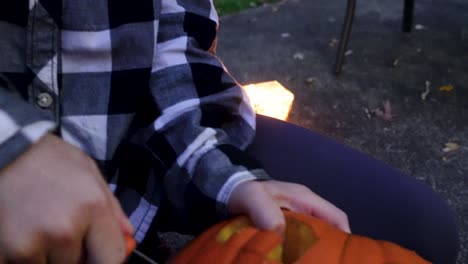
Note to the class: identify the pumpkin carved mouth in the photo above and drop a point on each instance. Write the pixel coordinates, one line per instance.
(306, 240)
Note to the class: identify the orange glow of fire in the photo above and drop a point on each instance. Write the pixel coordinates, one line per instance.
(270, 98)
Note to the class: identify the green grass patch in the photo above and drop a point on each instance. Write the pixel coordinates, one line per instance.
(225, 7)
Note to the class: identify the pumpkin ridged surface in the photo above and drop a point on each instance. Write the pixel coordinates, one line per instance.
(363, 250)
(394, 254)
(327, 249)
(201, 243)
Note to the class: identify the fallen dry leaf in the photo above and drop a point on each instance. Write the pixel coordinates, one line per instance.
(446, 88)
(419, 27)
(310, 80)
(450, 146)
(333, 42)
(386, 114)
(426, 91)
(349, 53)
(367, 112)
(299, 56)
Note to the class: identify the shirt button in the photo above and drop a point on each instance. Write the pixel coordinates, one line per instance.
(44, 100)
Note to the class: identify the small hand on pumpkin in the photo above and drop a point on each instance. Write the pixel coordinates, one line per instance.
(262, 202)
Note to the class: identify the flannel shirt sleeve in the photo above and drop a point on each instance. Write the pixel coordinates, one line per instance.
(20, 126)
(206, 119)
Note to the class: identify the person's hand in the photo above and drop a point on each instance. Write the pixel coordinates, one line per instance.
(55, 207)
(262, 202)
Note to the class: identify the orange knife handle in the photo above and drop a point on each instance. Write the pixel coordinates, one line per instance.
(130, 245)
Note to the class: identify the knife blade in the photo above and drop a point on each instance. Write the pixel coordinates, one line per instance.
(131, 248)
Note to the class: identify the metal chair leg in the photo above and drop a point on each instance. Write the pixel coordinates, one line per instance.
(345, 34)
(408, 13)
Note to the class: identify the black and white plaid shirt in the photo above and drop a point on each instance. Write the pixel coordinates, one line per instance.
(136, 85)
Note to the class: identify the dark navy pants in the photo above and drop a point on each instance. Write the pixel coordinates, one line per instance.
(380, 201)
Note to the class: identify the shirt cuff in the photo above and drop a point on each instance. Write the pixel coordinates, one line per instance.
(240, 177)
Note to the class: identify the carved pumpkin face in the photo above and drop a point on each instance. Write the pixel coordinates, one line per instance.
(307, 240)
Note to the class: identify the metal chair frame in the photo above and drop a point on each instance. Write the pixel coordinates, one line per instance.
(407, 24)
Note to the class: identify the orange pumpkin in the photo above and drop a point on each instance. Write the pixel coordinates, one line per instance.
(307, 240)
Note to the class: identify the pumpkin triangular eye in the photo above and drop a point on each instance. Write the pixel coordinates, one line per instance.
(299, 237)
(232, 228)
(276, 254)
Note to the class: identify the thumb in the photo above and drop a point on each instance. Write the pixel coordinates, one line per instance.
(252, 199)
(122, 219)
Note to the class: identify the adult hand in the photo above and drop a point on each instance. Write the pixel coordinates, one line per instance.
(262, 202)
(55, 207)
